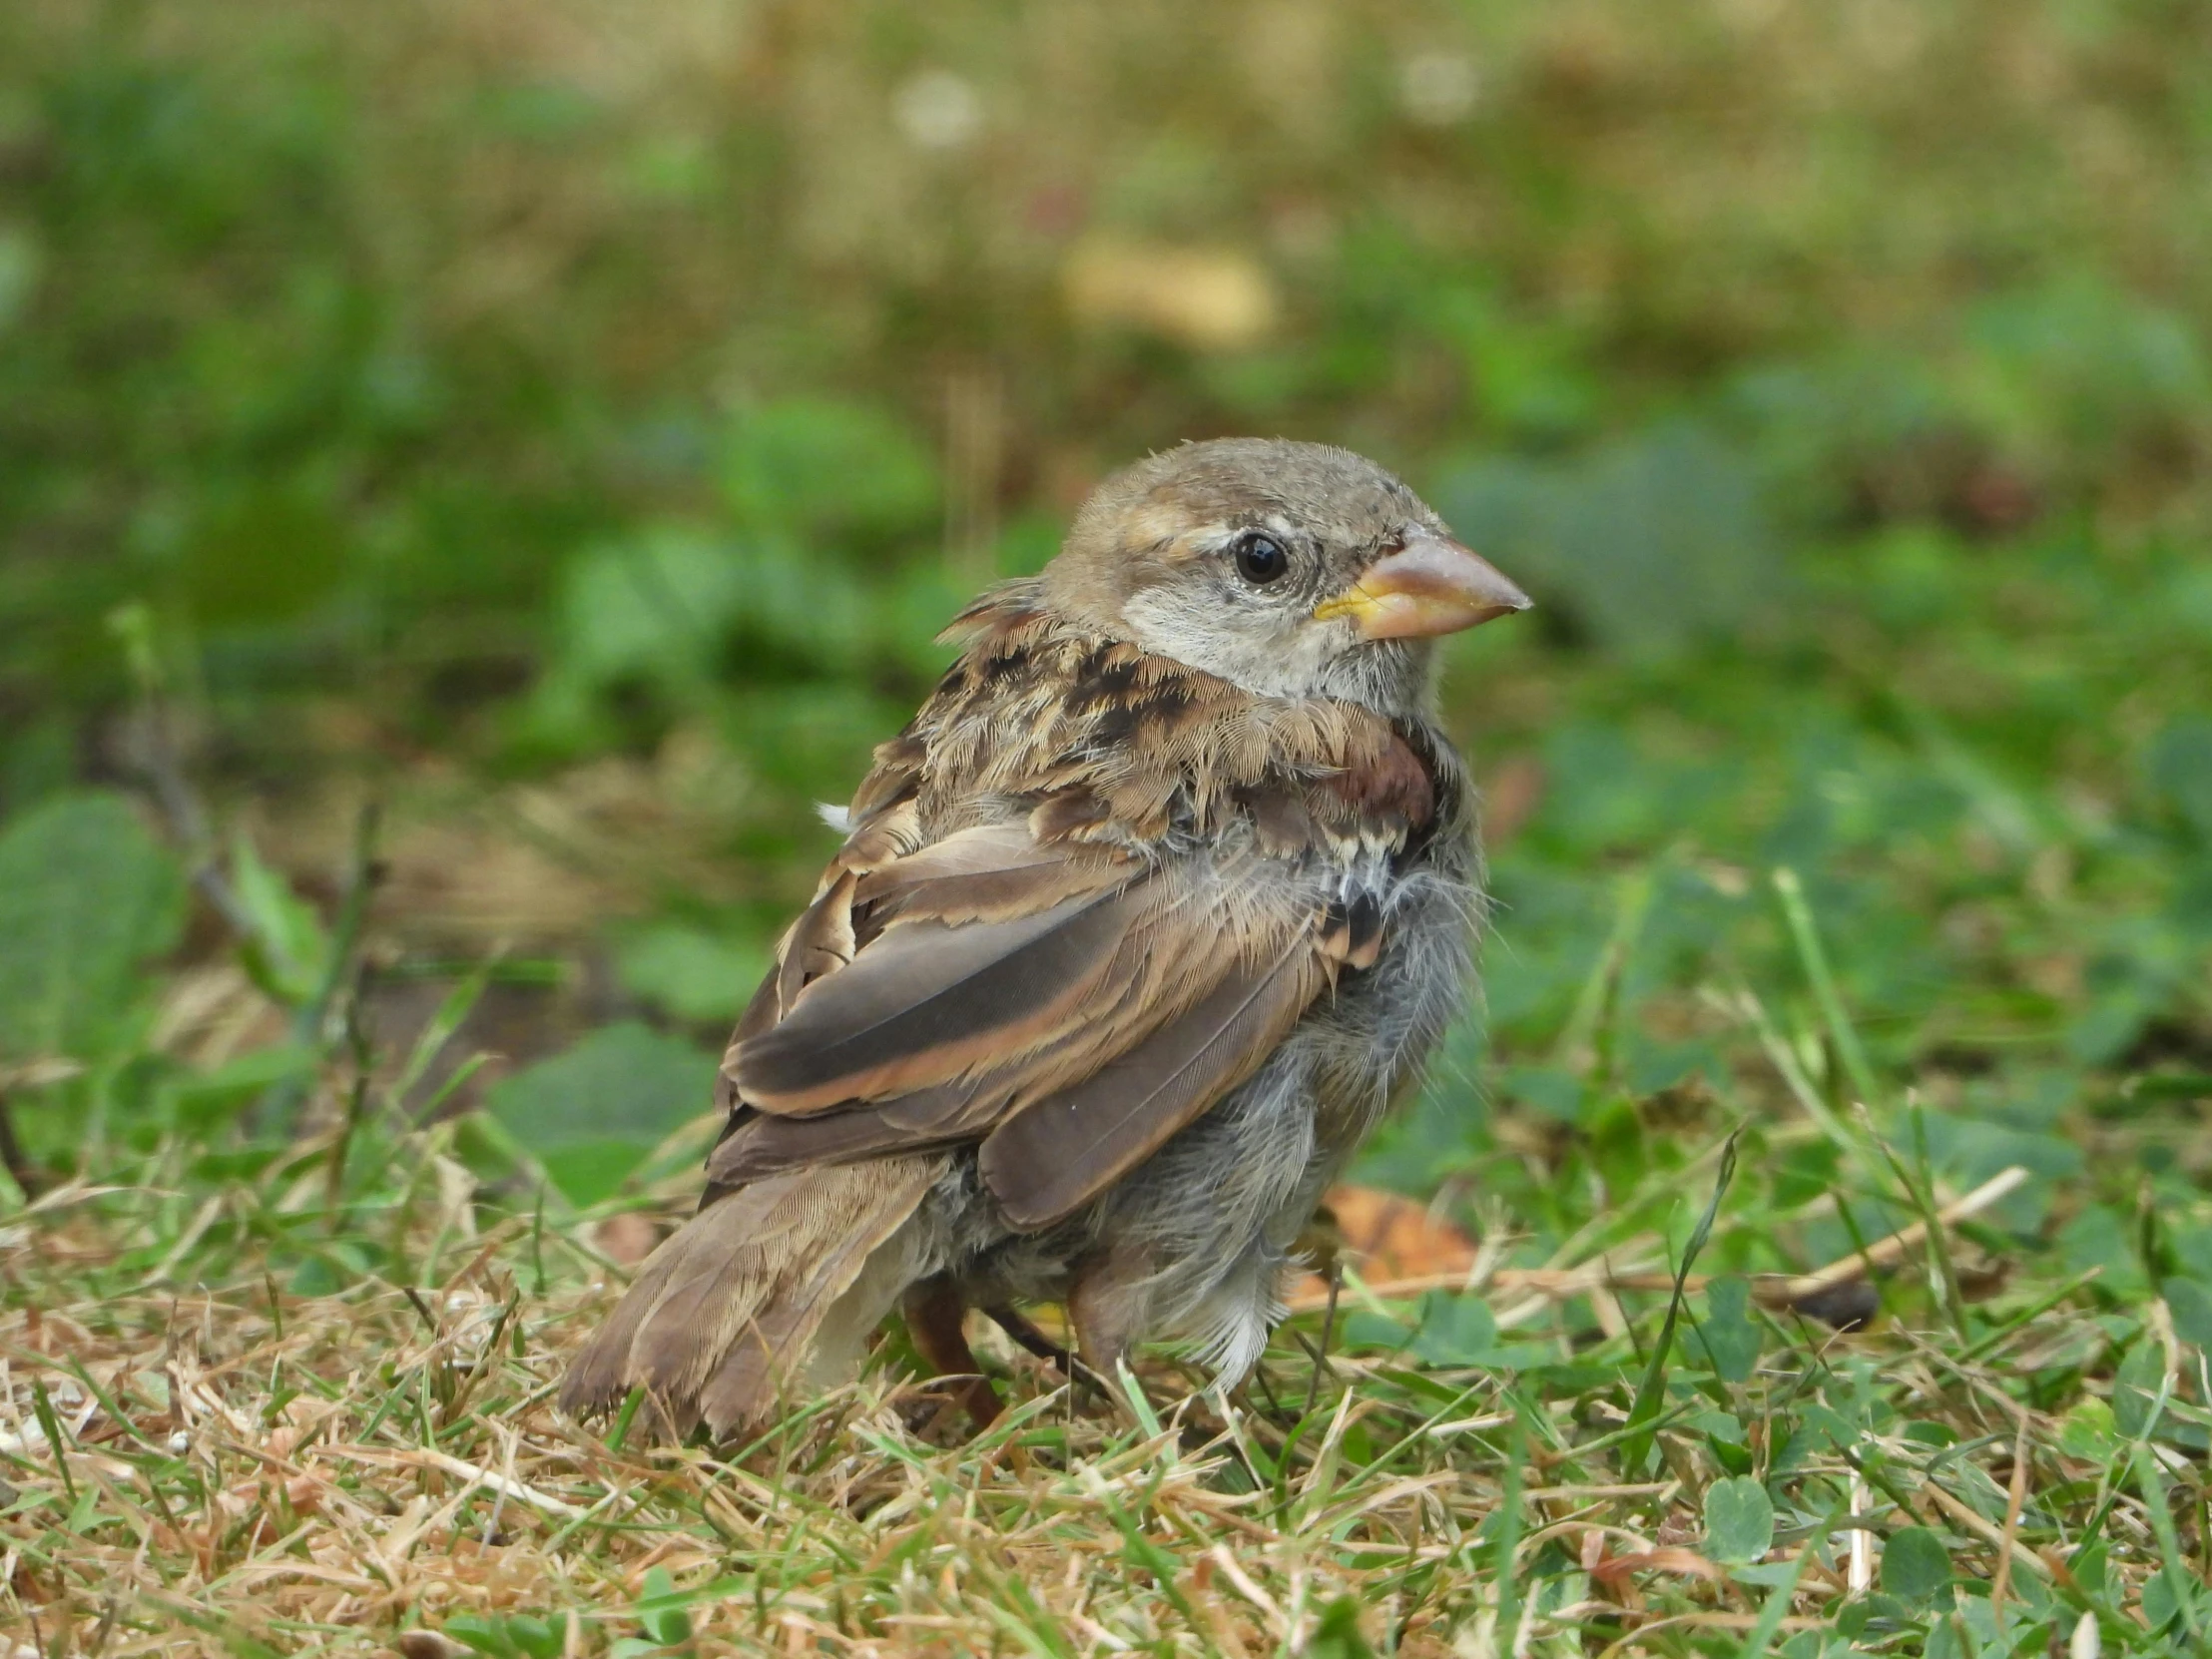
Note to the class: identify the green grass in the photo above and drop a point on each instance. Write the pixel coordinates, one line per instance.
(292, 1390)
(470, 481)
(215, 1447)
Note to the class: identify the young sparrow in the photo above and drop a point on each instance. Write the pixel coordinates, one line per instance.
(1137, 928)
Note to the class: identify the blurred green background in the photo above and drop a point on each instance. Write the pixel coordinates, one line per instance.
(565, 424)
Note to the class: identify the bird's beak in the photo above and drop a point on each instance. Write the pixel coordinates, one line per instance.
(1429, 586)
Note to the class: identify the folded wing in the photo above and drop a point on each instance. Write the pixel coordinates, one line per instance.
(1069, 1008)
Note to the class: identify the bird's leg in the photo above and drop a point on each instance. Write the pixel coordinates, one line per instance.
(1024, 1333)
(1328, 1329)
(1023, 1329)
(935, 1312)
(1105, 1311)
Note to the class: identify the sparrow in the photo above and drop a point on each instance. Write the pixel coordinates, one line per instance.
(1136, 930)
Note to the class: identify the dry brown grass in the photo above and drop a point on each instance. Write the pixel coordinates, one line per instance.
(242, 1467)
(231, 1469)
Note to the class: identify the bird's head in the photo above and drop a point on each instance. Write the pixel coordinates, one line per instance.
(1290, 569)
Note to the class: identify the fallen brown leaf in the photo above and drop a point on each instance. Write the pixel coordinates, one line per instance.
(1385, 1236)
(1666, 1558)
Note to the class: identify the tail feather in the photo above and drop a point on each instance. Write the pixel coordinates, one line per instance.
(738, 1302)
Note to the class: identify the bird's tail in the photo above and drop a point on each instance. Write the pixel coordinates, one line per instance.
(785, 1277)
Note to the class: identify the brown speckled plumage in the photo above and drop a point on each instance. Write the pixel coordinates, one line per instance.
(1110, 741)
(1109, 928)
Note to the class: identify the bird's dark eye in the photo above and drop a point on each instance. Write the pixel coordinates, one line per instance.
(1260, 559)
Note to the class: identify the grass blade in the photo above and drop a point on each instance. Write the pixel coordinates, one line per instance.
(1642, 1426)
(1814, 958)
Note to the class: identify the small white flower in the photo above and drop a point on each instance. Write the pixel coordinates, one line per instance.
(179, 1443)
(937, 110)
(1439, 89)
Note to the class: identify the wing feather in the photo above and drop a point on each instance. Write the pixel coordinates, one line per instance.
(765, 1144)
(991, 873)
(1048, 1161)
(926, 1001)
(939, 1035)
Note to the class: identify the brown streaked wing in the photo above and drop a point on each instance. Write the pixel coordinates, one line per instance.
(1048, 1161)
(926, 1002)
(764, 1143)
(820, 942)
(937, 1035)
(989, 873)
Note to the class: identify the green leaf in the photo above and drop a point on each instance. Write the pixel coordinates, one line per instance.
(1337, 1635)
(2088, 1432)
(659, 1612)
(2167, 1597)
(2188, 1085)
(654, 607)
(2190, 1302)
(1456, 1331)
(2135, 1389)
(1362, 1328)
(1553, 1093)
(291, 950)
(536, 1637)
(1739, 1521)
(690, 972)
(2179, 762)
(1133, 1390)
(2179, 1601)
(1767, 1574)
(592, 1114)
(1915, 1568)
(667, 607)
(2090, 1564)
(263, 555)
(198, 1102)
(482, 1634)
(827, 469)
(1729, 1335)
(86, 896)
(1652, 542)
